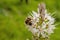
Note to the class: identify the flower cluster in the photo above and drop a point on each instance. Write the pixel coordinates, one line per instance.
(40, 23)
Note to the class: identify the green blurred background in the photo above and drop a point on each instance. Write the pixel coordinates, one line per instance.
(14, 12)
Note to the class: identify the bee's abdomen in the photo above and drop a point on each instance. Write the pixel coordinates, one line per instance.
(28, 21)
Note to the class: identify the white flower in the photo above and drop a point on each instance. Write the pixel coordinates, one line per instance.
(35, 16)
(46, 28)
(43, 25)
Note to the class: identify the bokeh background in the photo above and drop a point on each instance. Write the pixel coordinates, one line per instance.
(14, 12)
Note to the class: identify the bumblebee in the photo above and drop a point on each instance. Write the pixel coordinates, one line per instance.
(28, 21)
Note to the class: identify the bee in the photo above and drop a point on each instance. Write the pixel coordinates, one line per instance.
(28, 21)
